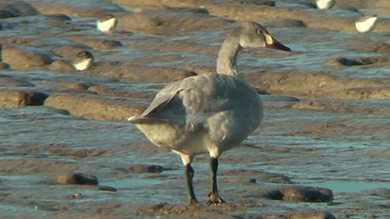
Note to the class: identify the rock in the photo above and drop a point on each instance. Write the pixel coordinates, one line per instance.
(16, 9)
(95, 107)
(301, 194)
(20, 98)
(23, 57)
(138, 168)
(77, 178)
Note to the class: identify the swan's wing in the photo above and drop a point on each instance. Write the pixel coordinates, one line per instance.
(218, 103)
(186, 102)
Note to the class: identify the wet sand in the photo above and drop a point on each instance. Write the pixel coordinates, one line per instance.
(66, 150)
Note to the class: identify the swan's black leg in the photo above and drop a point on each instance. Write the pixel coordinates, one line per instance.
(189, 174)
(213, 195)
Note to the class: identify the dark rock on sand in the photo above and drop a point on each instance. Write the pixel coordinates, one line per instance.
(77, 178)
(301, 194)
(95, 107)
(138, 168)
(20, 98)
(16, 9)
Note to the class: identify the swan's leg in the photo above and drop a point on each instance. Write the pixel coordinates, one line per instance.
(213, 195)
(189, 174)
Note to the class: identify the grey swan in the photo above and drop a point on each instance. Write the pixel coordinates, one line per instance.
(210, 112)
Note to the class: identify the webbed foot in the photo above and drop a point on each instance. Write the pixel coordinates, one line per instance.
(214, 199)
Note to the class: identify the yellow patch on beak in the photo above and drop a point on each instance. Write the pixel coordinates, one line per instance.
(268, 39)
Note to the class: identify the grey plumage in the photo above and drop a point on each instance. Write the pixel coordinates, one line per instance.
(211, 112)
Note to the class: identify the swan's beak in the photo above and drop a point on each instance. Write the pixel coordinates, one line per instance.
(274, 44)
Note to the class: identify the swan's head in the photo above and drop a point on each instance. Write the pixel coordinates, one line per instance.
(254, 35)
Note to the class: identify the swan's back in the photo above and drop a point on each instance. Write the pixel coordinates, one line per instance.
(225, 107)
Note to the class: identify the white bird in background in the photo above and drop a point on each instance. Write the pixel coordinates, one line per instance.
(83, 60)
(107, 23)
(366, 24)
(209, 113)
(325, 4)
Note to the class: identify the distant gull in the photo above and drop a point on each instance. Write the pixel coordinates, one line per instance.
(83, 60)
(107, 23)
(366, 24)
(208, 113)
(325, 4)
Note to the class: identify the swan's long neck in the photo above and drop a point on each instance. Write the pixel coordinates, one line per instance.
(227, 56)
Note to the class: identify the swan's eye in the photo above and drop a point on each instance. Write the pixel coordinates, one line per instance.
(259, 32)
